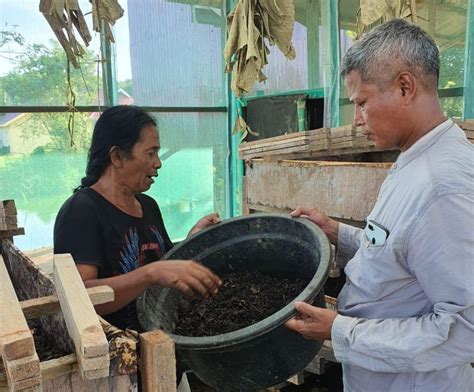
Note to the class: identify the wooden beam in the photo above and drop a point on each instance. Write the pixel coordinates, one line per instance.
(17, 347)
(12, 233)
(16, 340)
(159, 362)
(92, 348)
(43, 306)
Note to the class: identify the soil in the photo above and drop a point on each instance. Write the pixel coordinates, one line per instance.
(45, 348)
(244, 299)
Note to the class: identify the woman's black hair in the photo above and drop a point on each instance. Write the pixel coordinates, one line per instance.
(118, 126)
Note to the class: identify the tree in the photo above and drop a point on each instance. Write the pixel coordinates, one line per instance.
(40, 79)
(7, 36)
(126, 85)
(452, 75)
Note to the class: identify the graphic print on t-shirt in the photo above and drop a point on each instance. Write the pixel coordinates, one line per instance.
(134, 255)
(130, 252)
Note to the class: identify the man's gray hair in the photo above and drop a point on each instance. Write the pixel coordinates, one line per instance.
(390, 48)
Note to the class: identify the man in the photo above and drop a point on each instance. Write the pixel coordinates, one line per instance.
(405, 319)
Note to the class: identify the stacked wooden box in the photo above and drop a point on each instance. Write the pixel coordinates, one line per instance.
(321, 142)
(292, 142)
(49, 291)
(468, 127)
(8, 218)
(17, 347)
(306, 142)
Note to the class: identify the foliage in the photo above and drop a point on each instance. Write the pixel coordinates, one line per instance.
(55, 125)
(451, 76)
(40, 79)
(7, 36)
(126, 85)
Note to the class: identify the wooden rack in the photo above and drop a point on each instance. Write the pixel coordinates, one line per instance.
(320, 143)
(102, 357)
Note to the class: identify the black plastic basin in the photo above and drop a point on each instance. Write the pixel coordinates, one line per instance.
(265, 353)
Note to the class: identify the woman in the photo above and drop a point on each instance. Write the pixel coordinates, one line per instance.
(114, 232)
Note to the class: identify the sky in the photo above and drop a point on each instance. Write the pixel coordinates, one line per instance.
(24, 17)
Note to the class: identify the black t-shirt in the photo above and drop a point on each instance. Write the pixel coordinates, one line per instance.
(96, 232)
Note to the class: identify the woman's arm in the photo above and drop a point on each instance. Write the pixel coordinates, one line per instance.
(187, 276)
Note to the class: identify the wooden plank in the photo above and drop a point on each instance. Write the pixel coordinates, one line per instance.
(468, 125)
(12, 233)
(280, 145)
(323, 144)
(317, 365)
(8, 207)
(37, 252)
(22, 368)
(81, 320)
(297, 379)
(339, 145)
(57, 367)
(95, 367)
(345, 190)
(292, 135)
(16, 340)
(50, 304)
(276, 152)
(344, 131)
(17, 348)
(159, 362)
(32, 384)
(8, 222)
(274, 144)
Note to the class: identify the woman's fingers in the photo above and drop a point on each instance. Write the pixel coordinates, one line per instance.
(198, 286)
(189, 277)
(184, 288)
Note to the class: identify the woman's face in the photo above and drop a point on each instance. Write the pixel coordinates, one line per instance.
(143, 163)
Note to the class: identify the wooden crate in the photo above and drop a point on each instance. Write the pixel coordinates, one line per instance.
(343, 190)
(321, 143)
(33, 282)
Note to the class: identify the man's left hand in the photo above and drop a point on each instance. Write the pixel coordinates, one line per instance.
(204, 222)
(312, 322)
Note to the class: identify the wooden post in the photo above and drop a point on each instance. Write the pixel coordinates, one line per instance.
(158, 362)
(92, 348)
(17, 346)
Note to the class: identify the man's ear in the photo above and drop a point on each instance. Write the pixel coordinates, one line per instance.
(116, 157)
(407, 85)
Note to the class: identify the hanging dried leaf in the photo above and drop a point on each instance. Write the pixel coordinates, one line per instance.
(248, 24)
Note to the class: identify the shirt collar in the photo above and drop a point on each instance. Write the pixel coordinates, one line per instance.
(423, 143)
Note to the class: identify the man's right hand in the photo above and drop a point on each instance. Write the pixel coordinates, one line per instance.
(329, 226)
(186, 276)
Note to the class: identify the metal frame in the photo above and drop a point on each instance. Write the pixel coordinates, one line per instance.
(234, 167)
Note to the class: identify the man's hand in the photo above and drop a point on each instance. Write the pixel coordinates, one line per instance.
(312, 322)
(329, 226)
(204, 222)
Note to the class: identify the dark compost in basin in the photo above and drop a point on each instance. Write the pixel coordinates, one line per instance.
(265, 353)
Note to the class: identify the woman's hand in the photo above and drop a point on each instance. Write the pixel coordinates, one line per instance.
(329, 226)
(187, 276)
(204, 222)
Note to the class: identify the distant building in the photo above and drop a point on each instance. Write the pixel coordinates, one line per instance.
(12, 140)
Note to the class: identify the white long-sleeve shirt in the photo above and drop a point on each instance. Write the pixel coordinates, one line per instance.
(406, 313)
